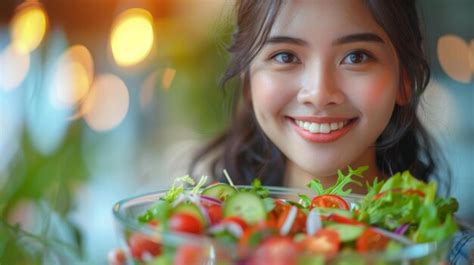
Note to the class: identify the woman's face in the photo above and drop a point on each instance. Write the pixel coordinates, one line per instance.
(324, 85)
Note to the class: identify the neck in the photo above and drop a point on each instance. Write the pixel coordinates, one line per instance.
(295, 177)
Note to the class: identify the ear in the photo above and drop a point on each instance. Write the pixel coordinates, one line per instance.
(405, 93)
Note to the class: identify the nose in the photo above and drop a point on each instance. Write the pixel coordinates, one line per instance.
(319, 88)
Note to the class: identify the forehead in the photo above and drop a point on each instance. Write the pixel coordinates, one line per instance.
(317, 18)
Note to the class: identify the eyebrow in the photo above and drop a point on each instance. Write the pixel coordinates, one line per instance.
(359, 37)
(286, 39)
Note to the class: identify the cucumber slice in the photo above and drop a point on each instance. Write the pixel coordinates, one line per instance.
(220, 191)
(347, 232)
(329, 211)
(192, 209)
(246, 205)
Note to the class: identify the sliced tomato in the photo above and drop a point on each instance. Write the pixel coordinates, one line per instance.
(329, 201)
(325, 242)
(189, 255)
(186, 223)
(298, 221)
(142, 246)
(236, 220)
(343, 220)
(371, 240)
(277, 250)
(215, 213)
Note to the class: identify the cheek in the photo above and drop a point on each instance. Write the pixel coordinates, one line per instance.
(378, 93)
(270, 93)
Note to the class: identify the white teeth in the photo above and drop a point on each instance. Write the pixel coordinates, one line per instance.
(325, 128)
(306, 125)
(321, 127)
(314, 128)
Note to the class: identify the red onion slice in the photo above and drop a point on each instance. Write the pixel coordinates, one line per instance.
(401, 229)
(313, 222)
(290, 219)
(210, 199)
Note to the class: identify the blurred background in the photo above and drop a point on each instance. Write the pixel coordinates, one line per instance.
(104, 99)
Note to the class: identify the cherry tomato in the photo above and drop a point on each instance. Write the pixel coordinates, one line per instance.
(153, 223)
(141, 246)
(329, 201)
(215, 213)
(188, 255)
(343, 220)
(371, 240)
(277, 250)
(325, 242)
(184, 222)
(280, 207)
(299, 223)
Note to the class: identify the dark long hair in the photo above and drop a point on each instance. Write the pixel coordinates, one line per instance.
(244, 150)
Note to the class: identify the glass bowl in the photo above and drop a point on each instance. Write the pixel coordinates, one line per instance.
(205, 250)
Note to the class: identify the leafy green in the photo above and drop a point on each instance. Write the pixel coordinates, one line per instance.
(389, 205)
(342, 181)
(177, 188)
(258, 189)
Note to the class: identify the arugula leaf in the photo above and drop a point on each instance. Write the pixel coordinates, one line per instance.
(342, 180)
(305, 201)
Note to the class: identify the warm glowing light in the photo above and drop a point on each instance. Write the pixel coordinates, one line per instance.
(14, 66)
(453, 55)
(168, 77)
(132, 37)
(471, 57)
(28, 26)
(107, 103)
(148, 89)
(72, 76)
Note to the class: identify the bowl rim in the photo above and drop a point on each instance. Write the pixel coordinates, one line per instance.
(412, 251)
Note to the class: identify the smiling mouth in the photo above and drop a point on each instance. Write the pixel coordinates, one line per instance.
(322, 128)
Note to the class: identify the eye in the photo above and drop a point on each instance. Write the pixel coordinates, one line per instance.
(285, 58)
(356, 57)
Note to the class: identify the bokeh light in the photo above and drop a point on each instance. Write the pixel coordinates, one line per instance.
(132, 37)
(14, 66)
(107, 103)
(471, 57)
(168, 77)
(147, 90)
(28, 26)
(453, 55)
(72, 77)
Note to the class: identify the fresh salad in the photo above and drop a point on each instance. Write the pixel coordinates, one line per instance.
(262, 229)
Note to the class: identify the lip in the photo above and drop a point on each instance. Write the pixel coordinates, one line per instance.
(319, 119)
(322, 137)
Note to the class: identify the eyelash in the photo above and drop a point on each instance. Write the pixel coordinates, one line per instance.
(366, 57)
(293, 58)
